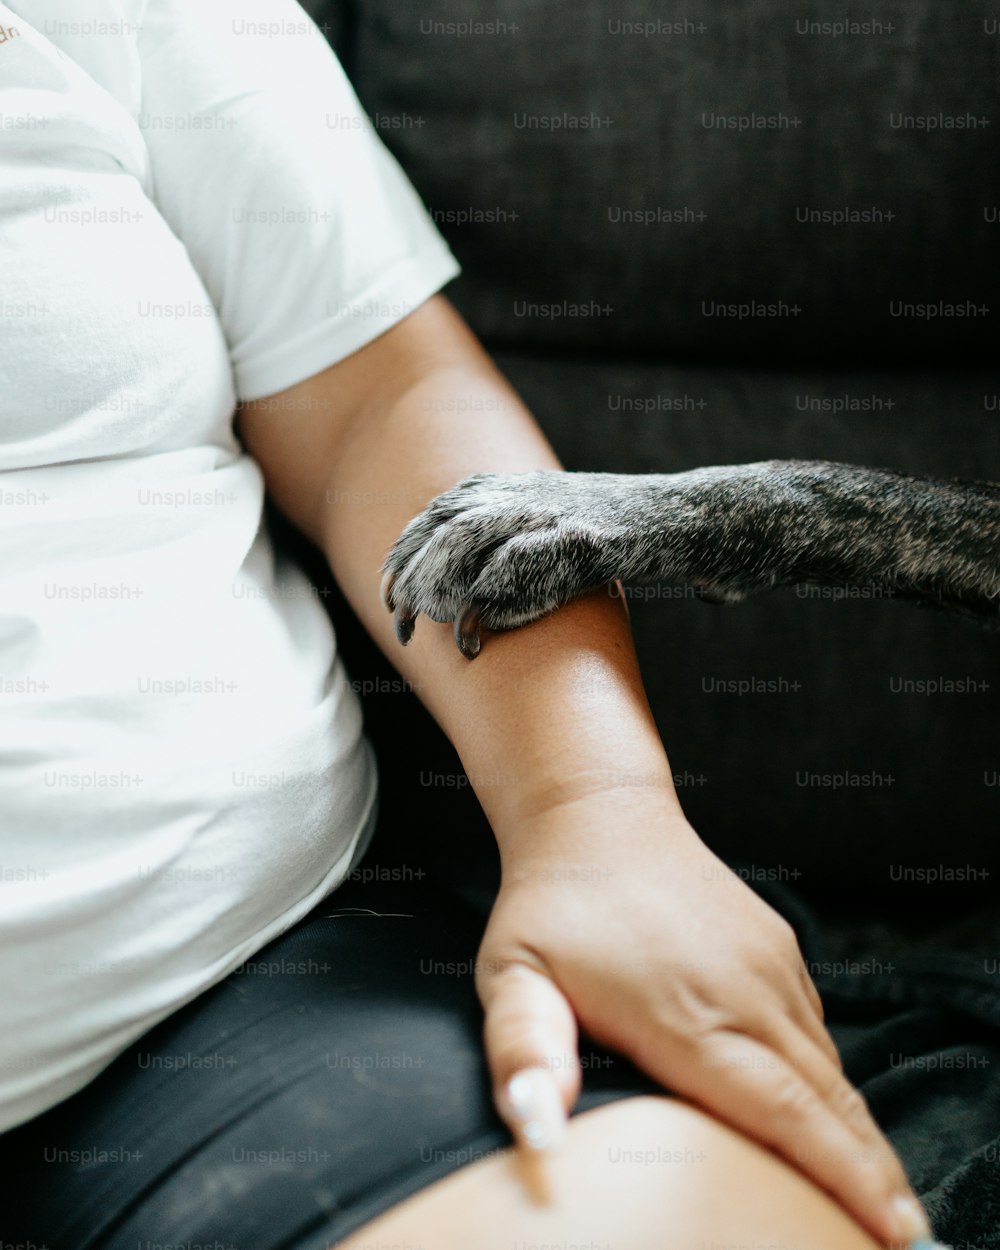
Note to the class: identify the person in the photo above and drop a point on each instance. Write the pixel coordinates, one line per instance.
(218, 281)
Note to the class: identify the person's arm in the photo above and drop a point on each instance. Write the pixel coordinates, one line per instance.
(554, 730)
(381, 434)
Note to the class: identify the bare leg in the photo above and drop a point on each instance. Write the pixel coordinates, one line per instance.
(645, 1173)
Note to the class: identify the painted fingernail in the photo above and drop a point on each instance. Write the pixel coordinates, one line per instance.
(385, 589)
(910, 1220)
(534, 1103)
(928, 1245)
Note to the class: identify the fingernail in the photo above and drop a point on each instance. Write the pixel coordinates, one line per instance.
(535, 1104)
(928, 1245)
(910, 1220)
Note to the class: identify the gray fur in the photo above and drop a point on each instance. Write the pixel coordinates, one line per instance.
(501, 550)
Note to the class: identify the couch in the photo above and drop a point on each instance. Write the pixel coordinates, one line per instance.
(697, 234)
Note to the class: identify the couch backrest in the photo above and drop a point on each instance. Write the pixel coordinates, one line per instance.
(753, 181)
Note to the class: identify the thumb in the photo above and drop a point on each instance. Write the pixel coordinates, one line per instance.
(531, 1048)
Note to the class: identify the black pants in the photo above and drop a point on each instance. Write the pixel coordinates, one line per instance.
(341, 1069)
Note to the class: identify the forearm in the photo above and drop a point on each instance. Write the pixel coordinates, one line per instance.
(547, 714)
(555, 713)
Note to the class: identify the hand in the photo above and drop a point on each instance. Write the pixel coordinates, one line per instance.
(669, 958)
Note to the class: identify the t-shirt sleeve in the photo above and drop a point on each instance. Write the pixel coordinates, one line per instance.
(308, 236)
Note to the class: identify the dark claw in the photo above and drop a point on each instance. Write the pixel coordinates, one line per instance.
(385, 589)
(402, 622)
(467, 632)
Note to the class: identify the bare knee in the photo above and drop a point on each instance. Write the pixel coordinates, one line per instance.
(643, 1173)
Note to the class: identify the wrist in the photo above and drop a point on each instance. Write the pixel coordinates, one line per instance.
(594, 819)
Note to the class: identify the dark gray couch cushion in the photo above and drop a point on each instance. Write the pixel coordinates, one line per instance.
(824, 742)
(651, 389)
(534, 212)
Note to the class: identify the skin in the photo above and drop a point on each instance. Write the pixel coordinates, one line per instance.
(668, 957)
(601, 1191)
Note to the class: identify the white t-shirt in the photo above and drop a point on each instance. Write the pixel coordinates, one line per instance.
(193, 210)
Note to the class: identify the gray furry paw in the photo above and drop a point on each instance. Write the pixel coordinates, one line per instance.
(499, 551)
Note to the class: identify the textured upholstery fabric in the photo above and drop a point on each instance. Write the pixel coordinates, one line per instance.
(811, 122)
(906, 968)
(826, 696)
(655, 386)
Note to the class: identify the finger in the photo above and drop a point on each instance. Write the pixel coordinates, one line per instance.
(844, 1099)
(531, 1048)
(811, 992)
(806, 1010)
(804, 1005)
(749, 1086)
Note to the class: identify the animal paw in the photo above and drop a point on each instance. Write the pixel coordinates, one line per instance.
(499, 551)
